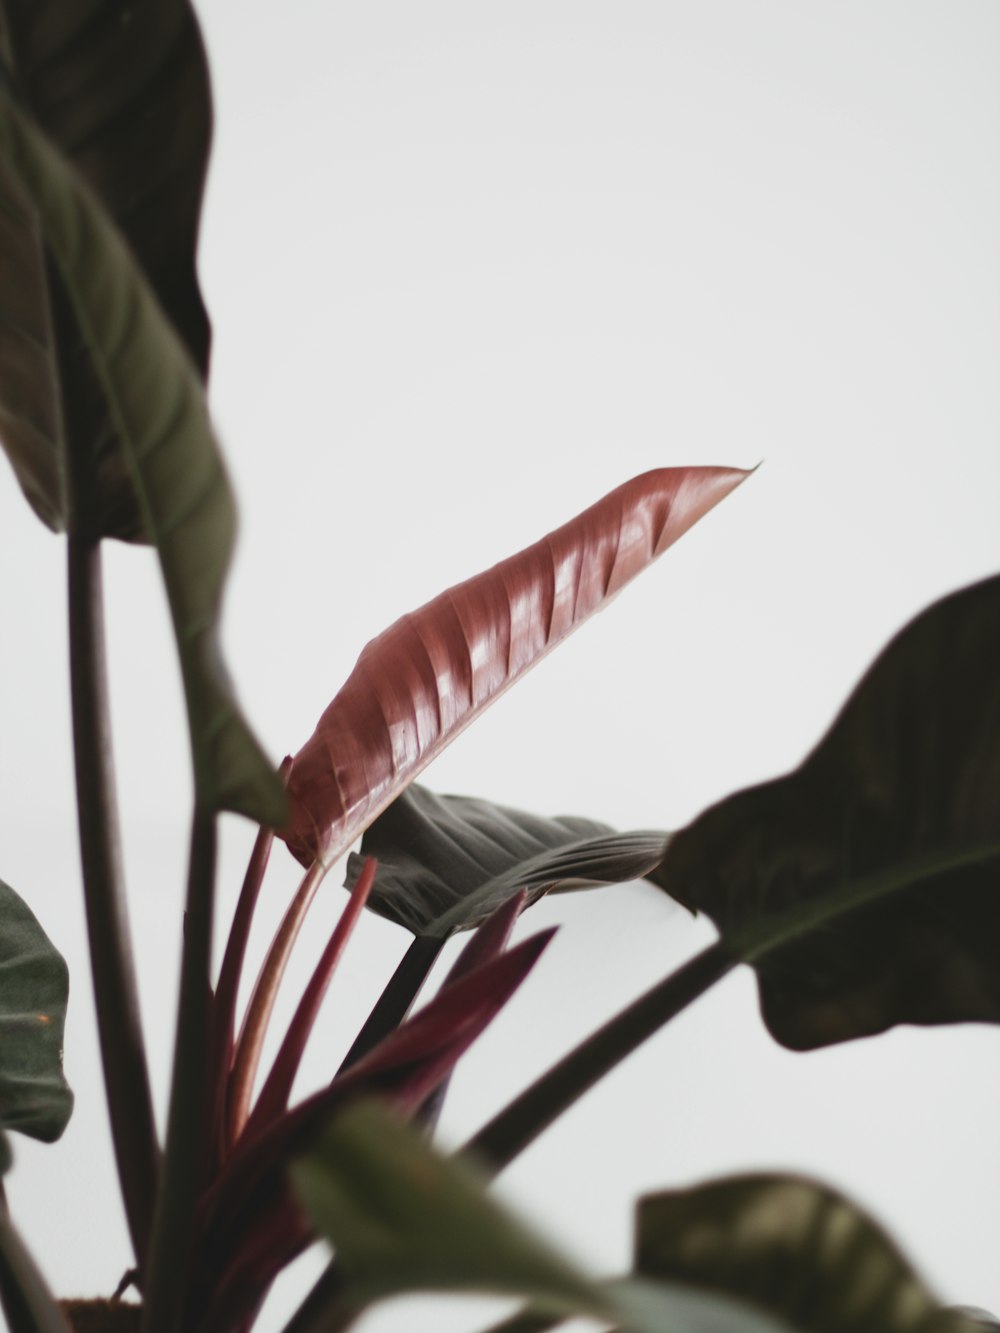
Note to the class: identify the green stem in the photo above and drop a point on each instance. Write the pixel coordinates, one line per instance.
(528, 1321)
(326, 1308)
(123, 1054)
(173, 1225)
(26, 1302)
(394, 1003)
(520, 1122)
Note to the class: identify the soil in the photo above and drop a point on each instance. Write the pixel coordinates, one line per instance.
(102, 1316)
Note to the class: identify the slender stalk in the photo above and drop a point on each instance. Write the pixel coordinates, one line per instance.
(261, 1006)
(123, 1055)
(486, 942)
(224, 1006)
(173, 1225)
(224, 1018)
(277, 1087)
(325, 1308)
(26, 1302)
(393, 1004)
(519, 1123)
(528, 1321)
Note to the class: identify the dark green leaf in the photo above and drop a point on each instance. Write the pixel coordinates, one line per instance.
(792, 1250)
(123, 93)
(34, 985)
(865, 886)
(403, 1218)
(446, 863)
(978, 1319)
(162, 420)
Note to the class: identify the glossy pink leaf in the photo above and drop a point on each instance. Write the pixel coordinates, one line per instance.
(423, 680)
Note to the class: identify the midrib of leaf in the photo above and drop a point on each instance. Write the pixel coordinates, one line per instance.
(750, 942)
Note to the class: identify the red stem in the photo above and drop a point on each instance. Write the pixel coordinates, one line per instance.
(224, 1008)
(261, 1006)
(277, 1089)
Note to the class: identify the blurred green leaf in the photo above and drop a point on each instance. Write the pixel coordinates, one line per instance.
(403, 1218)
(792, 1250)
(979, 1319)
(125, 97)
(162, 420)
(865, 886)
(446, 863)
(34, 986)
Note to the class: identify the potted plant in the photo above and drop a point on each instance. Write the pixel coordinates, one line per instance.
(859, 887)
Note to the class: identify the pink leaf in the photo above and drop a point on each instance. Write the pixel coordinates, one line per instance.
(423, 680)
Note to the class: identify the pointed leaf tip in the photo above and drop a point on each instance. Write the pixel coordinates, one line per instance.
(423, 680)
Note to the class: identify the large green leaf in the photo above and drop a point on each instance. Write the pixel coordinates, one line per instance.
(34, 985)
(865, 886)
(446, 863)
(123, 93)
(162, 420)
(403, 1218)
(792, 1250)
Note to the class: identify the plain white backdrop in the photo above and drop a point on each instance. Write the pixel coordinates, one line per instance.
(470, 266)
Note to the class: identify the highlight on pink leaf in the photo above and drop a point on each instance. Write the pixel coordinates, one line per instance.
(424, 679)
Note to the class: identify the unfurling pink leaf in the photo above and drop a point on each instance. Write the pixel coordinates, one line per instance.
(423, 680)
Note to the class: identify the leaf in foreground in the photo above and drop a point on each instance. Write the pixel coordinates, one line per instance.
(403, 1218)
(791, 1249)
(865, 885)
(161, 417)
(34, 986)
(447, 863)
(127, 100)
(423, 680)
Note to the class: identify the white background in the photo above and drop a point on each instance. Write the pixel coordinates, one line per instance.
(470, 266)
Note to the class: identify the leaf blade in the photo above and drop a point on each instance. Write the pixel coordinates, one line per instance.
(128, 103)
(156, 398)
(424, 679)
(406, 1219)
(789, 1249)
(35, 1098)
(887, 833)
(446, 863)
